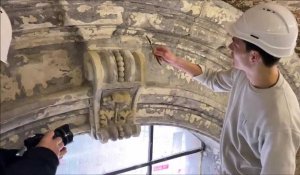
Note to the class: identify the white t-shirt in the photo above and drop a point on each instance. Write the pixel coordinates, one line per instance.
(261, 129)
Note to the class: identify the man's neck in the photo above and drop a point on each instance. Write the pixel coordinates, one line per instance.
(264, 77)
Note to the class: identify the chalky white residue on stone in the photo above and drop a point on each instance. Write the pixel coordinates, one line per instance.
(83, 8)
(9, 88)
(143, 19)
(195, 7)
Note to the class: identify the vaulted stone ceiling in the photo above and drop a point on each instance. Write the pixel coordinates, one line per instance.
(83, 61)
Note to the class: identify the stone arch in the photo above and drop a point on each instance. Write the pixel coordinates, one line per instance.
(60, 33)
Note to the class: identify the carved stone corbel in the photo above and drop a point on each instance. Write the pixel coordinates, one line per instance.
(116, 75)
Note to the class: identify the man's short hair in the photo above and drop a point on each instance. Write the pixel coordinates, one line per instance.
(268, 59)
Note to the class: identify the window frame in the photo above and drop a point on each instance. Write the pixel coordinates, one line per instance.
(150, 156)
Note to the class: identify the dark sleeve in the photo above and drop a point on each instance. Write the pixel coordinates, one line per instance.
(35, 161)
(7, 157)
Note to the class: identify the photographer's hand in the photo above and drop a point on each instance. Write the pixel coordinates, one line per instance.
(54, 144)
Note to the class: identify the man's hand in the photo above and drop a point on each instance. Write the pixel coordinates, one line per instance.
(54, 144)
(165, 54)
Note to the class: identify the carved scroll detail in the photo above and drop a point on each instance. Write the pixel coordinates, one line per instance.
(115, 76)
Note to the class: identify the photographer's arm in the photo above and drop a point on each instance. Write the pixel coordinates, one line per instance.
(7, 157)
(56, 145)
(42, 159)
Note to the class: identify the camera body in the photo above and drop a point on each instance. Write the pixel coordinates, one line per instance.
(63, 131)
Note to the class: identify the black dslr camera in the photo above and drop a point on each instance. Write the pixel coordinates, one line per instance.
(63, 131)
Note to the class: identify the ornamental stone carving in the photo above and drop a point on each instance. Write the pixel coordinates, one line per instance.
(116, 76)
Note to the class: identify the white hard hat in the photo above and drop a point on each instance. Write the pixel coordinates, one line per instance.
(6, 35)
(269, 26)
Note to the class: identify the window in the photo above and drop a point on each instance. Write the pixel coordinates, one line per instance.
(158, 150)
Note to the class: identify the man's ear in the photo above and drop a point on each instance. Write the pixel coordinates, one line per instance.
(254, 57)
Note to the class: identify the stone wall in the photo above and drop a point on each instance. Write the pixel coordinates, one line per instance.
(46, 83)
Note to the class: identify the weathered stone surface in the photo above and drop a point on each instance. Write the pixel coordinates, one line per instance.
(45, 83)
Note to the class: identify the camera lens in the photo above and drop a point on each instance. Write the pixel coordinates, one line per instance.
(65, 133)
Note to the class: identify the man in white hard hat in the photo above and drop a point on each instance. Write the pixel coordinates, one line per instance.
(42, 159)
(261, 130)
